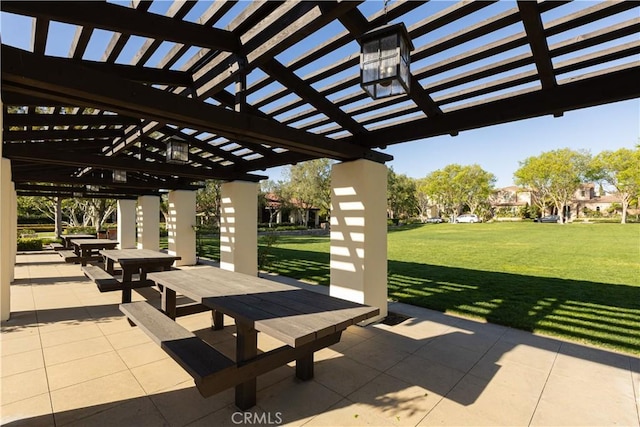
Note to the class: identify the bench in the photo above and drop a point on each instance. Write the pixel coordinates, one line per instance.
(70, 256)
(212, 371)
(105, 281)
(199, 359)
(56, 246)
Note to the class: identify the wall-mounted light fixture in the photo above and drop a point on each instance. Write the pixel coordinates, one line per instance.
(385, 61)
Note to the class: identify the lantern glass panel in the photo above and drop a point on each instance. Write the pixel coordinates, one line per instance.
(177, 152)
(119, 176)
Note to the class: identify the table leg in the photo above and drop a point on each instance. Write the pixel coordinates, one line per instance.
(168, 302)
(108, 265)
(127, 275)
(304, 367)
(246, 349)
(217, 318)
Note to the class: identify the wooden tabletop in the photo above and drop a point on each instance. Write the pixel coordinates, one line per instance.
(93, 242)
(77, 236)
(293, 315)
(125, 255)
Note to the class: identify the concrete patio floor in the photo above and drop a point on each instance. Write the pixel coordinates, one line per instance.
(69, 357)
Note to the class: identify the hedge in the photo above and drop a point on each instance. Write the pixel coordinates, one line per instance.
(30, 244)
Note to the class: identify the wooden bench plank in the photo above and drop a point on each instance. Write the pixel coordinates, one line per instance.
(56, 246)
(105, 281)
(69, 256)
(195, 356)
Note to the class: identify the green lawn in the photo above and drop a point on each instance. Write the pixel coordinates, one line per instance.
(579, 281)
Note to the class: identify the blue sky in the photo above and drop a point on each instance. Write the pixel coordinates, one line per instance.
(497, 149)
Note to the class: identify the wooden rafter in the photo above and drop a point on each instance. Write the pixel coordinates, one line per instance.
(55, 79)
(125, 20)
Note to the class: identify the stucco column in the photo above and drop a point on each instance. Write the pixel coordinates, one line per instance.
(182, 218)
(239, 227)
(14, 229)
(359, 233)
(126, 224)
(6, 242)
(148, 218)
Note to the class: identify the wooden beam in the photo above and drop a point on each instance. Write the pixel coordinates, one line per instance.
(125, 20)
(39, 33)
(309, 94)
(532, 21)
(609, 86)
(51, 156)
(58, 80)
(31, 135)
(68, 120)
(80, 42)
(143, 74)
(285, 32)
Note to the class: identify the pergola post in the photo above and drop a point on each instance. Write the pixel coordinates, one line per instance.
(126, 224)
(359, 233)
(7, 241)
(239, 227)
(148, 219)
(180, 223)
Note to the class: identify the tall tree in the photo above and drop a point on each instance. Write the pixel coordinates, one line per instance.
(554, 176)
(620, 169)
(475, 186)
(401, 195)
(208, 201)
(424, 202)
(309, 186)
(441, 187)
(456, 186)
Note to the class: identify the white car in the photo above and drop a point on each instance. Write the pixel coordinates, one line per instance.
(467, 218)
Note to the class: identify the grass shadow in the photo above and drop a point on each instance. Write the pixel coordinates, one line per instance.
(599, 313)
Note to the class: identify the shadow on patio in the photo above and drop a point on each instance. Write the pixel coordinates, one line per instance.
(71, 358)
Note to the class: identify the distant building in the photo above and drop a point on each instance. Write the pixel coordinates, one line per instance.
(586, 201)
(508, 201)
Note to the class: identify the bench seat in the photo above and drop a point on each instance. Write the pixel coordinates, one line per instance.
(56, 246)
(70, 256)
(105, 281)
(198, 358)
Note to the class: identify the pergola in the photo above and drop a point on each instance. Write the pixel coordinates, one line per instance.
(254, 85)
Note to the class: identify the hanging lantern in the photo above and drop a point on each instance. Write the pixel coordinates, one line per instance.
(120, 176)
(177, 151)
(384, 61)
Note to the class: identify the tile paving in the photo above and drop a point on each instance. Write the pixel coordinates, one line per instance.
(69, 358)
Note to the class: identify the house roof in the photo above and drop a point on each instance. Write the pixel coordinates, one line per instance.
(177, 69)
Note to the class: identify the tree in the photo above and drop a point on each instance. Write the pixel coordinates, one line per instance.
(309, 186)
(620, 169)
(401, 195)
(553, 177)
(455, 186)
(475, 186)
(271, 198)
(208, 201)
(424, 202)
(441, 187)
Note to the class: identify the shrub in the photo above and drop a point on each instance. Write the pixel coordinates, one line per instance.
(265, 257)
(80, 230)
(29, 244)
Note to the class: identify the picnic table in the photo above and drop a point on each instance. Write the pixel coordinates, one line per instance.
(85, 250)
(304, 321)
(136, 261)
(66, 238)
